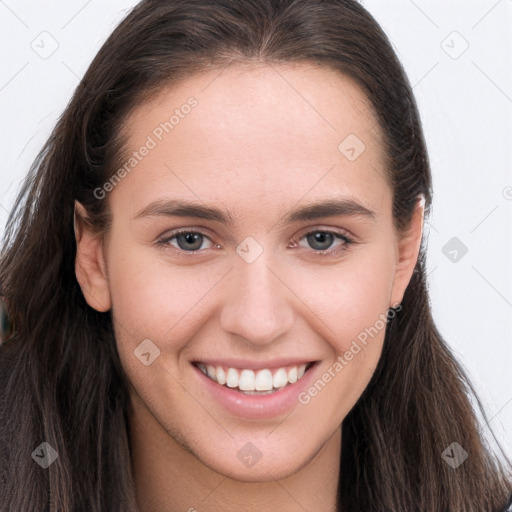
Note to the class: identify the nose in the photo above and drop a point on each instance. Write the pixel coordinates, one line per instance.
(257, 304)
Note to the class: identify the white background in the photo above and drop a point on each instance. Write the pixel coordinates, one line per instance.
(465, 101)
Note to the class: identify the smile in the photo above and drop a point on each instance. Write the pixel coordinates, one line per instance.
(254, 382)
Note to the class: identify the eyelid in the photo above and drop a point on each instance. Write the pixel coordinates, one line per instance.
(325, 229)
(339, 234)
(164, 240)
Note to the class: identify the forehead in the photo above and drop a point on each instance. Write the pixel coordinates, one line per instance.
(255, 130)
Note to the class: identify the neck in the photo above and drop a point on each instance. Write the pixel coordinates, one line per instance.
(169, 478)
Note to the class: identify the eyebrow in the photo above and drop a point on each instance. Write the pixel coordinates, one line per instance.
(313, 211)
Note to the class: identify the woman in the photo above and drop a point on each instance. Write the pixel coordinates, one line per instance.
(217, 282)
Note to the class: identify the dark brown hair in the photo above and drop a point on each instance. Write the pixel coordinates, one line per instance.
(61, 377)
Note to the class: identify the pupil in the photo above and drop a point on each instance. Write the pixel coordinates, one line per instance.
(325, 239)
(189, 238)
(194, 240)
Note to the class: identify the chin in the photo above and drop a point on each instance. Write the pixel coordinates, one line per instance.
(250, 464)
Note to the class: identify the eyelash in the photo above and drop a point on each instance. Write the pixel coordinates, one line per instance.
(328, 253)
(347, 242)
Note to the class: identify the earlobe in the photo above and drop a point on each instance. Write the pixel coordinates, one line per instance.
(90, 267)
(409, 246)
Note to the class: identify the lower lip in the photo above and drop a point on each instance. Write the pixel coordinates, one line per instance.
(258, 407)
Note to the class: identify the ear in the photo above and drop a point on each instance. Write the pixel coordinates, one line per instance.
(409, 245)
(90, 266)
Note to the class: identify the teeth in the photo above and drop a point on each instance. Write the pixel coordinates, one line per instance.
(246, 382)
(232, 378)
(280, 378)
(261, 382)
(264, 380)
(221, 375)
(210, 371)
(292, 375)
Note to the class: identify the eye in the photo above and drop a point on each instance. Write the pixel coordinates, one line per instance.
(186, 240)
(322, 241)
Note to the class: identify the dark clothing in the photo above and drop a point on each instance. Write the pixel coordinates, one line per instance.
(508, 507)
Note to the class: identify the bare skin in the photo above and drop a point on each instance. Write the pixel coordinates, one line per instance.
(261, 142)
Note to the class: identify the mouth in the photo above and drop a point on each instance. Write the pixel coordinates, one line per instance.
(248, 381)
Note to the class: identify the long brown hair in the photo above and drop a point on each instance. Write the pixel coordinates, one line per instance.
(61, 378)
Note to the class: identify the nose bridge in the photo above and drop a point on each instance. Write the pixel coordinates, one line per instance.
(256, 307)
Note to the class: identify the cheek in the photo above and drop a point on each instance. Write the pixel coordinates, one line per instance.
(157, 310)
(363, 303)
(349, 297)
(353, 305)
(152, 300)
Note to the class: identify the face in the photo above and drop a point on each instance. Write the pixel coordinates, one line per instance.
(253, 241)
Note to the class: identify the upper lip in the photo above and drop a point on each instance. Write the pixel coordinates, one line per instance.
(252, 364)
